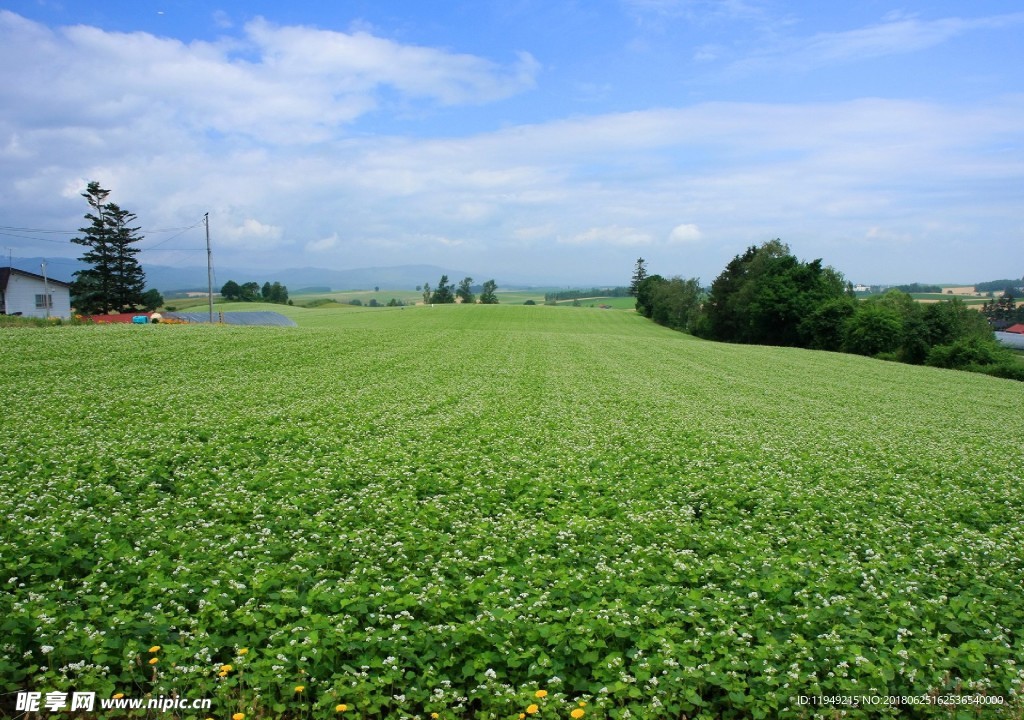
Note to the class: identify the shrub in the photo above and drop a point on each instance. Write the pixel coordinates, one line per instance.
(972, 351)
(1007, 370)
(873, 329)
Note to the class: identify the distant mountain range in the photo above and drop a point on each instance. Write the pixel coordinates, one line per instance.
(172, 279)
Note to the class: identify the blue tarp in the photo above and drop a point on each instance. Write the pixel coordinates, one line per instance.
(259, 317)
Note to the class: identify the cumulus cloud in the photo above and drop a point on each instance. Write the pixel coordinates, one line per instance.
(251, 233)
(274, 83)
(609, 235)
(264, 149)
(686, 233)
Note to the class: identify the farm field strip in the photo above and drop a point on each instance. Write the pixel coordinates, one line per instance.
(445, 510)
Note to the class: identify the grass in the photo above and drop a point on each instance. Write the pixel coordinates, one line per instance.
(445, 510)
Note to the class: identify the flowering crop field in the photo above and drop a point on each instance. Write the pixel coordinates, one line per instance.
(504, 512)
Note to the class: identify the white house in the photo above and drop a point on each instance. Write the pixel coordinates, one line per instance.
(28, 294)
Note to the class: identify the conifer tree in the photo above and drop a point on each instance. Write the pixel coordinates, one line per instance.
(639, 275)
(114, 280)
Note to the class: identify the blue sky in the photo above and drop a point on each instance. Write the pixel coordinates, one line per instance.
(552, 142)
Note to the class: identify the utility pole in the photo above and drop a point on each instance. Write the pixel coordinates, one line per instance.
(46, 290)
(209, 265)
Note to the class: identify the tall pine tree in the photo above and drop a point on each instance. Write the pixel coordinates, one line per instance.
(639, 275)
(114, 280)
(129, 278)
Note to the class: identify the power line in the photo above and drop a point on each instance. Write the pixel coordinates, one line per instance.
(29, 237)
(38, 230)
(16, 232)
(166, 240)
(75, 232)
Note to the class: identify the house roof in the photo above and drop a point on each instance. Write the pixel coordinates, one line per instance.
(5, 275)
(1018, 328)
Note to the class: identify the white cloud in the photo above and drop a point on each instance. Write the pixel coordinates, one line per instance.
(686, 233)
(695, 10)
(279, 84)
(359, 62)
(609, 235)
(897, 34)
(324, 244)
(264, 150)
(251, 234)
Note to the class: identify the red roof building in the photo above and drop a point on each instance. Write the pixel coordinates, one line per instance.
(1018, 328)
(117, 317)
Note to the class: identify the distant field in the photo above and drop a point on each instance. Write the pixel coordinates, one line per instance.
(615, 303)
(937, 297)
(345, 297)
(446, 510)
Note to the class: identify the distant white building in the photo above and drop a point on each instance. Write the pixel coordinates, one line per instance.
(30, 295)
(861, 288)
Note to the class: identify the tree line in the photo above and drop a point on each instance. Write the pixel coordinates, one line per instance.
(1011, 287)
(252, 292)
(114, 281)
(1003, 310)
(465, 292)
(766, 296)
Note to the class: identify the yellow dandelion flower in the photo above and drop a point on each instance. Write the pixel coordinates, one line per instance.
(531, 709)
(118, 696)
(155, 648)
(435, 716)
(522, 715)
(226, 668)
(577, 713)
(299, 688)
(582, 703)
(238, 716)
(541, 694)
(222, 673)
(341, 707)
(243, 651)
(154, 661)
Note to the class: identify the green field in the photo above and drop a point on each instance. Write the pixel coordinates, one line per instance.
(970, 300)
(446, 510)
(407, 297)
(345, 297)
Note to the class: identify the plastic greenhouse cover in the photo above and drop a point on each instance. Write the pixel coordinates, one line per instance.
(259, 317)
(1011, 339)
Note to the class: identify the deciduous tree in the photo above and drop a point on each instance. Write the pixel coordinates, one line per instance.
(231, 291)
(487, 294)
(443, 293)
(465, 292)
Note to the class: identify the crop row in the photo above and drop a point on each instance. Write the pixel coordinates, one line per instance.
(447, 514)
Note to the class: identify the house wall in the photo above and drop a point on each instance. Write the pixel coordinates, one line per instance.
(21, 297)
